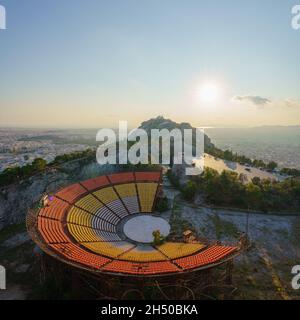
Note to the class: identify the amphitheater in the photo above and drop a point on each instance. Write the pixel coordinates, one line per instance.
(104, 225)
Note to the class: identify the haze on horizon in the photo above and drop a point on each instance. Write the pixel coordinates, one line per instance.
(89, 64)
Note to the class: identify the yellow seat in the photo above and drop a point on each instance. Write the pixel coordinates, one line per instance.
(82, 234)
(78, 216)
(127, 193)
(89, 203)
(109, 249)
(126, 190)
(176, 250)
(143, 254)
(147, 192)
(106, 195)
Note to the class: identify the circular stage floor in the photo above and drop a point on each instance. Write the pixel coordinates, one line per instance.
(140, 228)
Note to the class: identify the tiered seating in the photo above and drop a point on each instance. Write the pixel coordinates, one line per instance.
(149, 268)
(175, 250)
(106, 195)
(108, 215)
(109, 249)
(147, 192)
(129, 197)
(91, 220)
(131, 204)
(52, 230)
(147, 176)
(108, 236)
(121, 177)
(89, 203)
(56, 209)
(86, 234)
(75, 253)
(111, 199)
(143, 253)
(82, 234)
(71, 193)
(83, 218)
(78, 216)
(96, 183)
(208, 256)
(118, 207)
(103, 225)
(126, 190)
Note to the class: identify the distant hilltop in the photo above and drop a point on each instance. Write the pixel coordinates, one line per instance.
(161, 123)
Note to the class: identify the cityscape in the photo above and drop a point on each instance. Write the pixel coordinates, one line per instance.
(19, 147)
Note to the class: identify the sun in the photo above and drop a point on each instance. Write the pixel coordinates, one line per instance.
(209, 92)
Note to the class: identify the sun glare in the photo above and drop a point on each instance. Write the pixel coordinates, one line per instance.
(209, 92)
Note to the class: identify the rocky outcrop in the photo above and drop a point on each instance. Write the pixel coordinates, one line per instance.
(162, 123)
(17, 199)
(16, 240)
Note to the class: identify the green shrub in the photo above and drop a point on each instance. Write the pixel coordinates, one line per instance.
(189, 190)
(158, 238)
(162, 204)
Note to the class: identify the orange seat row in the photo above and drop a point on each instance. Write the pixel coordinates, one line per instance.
(117, 178)
(121, 177)
(71, 193)
(148, 176)
(95, 183)
(148, 268)
(209, 256)
(55, 210)
(52, 230)
(73, 252)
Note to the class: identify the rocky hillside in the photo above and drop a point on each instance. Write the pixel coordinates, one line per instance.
(16, 199)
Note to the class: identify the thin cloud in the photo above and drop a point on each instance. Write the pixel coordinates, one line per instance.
(291, 103)
(256, 100)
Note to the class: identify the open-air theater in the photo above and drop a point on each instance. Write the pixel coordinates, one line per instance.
(102, 228)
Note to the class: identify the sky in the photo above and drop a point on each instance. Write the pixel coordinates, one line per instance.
(91, 63)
